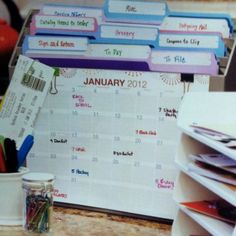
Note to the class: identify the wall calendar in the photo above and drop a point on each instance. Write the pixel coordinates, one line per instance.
(110, 137)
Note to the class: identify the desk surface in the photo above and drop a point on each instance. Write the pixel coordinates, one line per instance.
(86, 223)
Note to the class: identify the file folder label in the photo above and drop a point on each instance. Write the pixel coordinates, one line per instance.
(135, 11)
(196, 25)
(135, 7)
(131, 52)
(181, 58)
(126, 32)
(55, 43)
(66, 24)
(207, 15)
(188, 41)
(71, 11)
(192, 41)
(184, 62)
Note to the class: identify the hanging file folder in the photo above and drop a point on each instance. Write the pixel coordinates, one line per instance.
(103, 56)
(117, 56)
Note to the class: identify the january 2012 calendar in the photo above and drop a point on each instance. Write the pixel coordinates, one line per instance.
(110, 137)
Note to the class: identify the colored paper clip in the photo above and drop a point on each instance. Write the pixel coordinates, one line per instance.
(2, 142)
(24, 149)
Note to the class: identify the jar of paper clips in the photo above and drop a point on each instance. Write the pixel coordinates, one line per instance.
(38, 202)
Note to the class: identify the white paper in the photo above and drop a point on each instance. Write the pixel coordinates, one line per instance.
(24, 98)
(217, 160)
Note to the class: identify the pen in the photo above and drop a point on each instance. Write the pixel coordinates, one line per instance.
(24, 149)
(11, 155)
(3, 168)
(2, 143)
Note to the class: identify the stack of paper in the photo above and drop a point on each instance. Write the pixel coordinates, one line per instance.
(216, 166)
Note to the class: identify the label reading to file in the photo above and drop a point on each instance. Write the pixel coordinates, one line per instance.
(181, 58)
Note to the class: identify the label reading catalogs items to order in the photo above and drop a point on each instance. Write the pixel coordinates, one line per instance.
(24, 98)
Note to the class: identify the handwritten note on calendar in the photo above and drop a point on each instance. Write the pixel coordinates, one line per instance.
(110, 138)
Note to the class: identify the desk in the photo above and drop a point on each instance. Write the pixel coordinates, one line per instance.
(74, 222)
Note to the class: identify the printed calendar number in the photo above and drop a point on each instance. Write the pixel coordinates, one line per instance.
(117, 115)
(159, 142)
(95, 136)
(139, 117)
(73, 180)
(115, 162)
(74, 134)
(53, 156)
(32, 155)
(74, 157)
(117, 138)
(138, 140)
(137, 84)
(94, 159)
(137, 164)
(75, 113)
(158, 166)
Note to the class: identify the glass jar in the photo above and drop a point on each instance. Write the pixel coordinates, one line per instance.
(38, 202)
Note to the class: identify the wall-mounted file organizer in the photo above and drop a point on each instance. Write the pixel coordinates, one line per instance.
(193, 186)
(109, 135)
